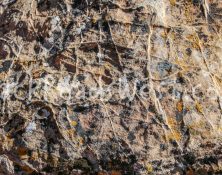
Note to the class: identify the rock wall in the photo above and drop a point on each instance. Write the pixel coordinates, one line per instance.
(110, 87)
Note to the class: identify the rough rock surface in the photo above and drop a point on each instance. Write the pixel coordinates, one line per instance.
(111, 87)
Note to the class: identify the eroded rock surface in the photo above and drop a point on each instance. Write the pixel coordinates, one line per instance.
(110, 87)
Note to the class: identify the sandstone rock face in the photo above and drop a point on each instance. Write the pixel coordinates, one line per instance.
(114, 87)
